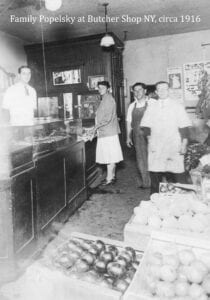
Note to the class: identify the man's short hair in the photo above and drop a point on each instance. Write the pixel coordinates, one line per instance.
(105, 83)
(143, 85)
(161, 82)
(23, 67)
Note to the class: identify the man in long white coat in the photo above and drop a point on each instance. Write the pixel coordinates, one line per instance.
(166, 124)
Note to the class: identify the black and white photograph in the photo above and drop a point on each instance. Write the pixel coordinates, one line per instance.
(67, 77)
(93, 81)
(104, 150)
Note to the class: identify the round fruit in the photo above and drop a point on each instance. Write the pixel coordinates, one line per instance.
(195, 291)
(121, 285)
(100, 266)
(81, 266)
(93, 250)
(194, 275)
(168, 273)
(72, 245)
(135, 264)
(109, 279)
(206, 284)
(113, 250)
(100, 245)
(115, 269)
(131, 251)
(122, 261)
(106, 256)
(89, 258)
(74, 255)
(127, 256)
(181, 288)
(186, 257)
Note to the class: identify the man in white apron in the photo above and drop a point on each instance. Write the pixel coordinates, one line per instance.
(166, 123)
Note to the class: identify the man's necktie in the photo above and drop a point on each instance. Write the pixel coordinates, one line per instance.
(26, 91)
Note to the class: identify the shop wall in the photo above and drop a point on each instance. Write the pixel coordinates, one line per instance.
(12, 56)
(147, 60)
(12, 53)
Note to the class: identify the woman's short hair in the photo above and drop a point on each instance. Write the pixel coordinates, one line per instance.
(105, 83)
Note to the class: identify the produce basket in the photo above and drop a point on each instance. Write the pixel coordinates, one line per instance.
(64, 274)
(173, 266)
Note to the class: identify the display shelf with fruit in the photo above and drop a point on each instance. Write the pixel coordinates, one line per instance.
(173, 267)
(96, 267)
(181, 213)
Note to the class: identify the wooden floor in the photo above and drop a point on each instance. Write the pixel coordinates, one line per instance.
(109, 209)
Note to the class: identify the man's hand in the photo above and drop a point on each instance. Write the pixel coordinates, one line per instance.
(129, 142)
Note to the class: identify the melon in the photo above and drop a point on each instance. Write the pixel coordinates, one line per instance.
(181, 288)
(168, 273)
(195, 291)
(186, 256)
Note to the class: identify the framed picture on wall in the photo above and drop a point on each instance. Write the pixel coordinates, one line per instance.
(66, 76)
(93, 81)
(174, 75)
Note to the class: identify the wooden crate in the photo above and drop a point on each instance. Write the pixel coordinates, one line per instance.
(42, 281)
(162, 242)
(136, 235)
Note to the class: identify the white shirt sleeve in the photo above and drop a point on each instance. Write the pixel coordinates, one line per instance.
(129, 112)
(183, 118)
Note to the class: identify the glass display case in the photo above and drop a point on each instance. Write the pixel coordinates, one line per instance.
(26, 143)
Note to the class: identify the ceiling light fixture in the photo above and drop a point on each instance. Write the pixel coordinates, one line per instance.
(53, 5)
(107, 40)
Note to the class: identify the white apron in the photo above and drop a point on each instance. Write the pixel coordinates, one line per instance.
(165, 117)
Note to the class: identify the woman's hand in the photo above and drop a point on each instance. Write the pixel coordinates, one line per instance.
(93, 133)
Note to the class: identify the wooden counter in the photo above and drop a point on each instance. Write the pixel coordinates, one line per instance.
(48, 188)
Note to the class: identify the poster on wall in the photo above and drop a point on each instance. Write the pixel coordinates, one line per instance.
(193, 73)
(174, 76)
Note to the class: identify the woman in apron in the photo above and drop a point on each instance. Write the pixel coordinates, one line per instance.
(108, 149)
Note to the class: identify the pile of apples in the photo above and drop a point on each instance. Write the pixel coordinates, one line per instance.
(179, 275)
(177, 212)
(96, 262)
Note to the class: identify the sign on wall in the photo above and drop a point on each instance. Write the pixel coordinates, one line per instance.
(176, 83)
(193, 73)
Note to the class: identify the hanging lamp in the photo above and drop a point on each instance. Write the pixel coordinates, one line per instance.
(53, 5)
(107, 40)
